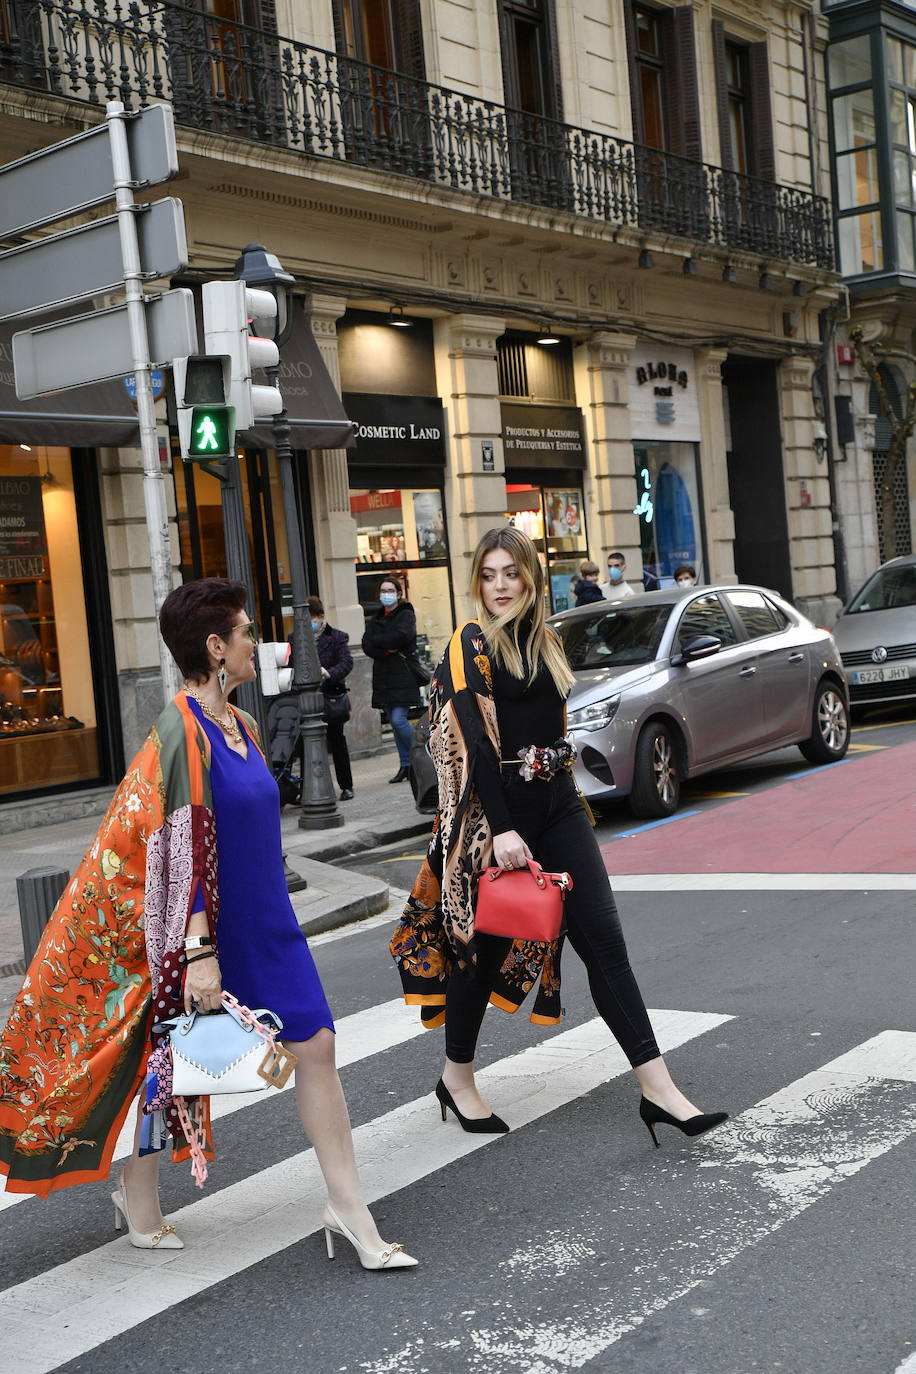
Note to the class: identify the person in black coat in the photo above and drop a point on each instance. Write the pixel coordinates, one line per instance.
(390, 640)
(587, 588)
(336, 664)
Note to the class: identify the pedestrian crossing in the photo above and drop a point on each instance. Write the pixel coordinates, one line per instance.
(752, 1177)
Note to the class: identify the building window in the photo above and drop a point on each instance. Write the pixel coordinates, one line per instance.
(901, 69)
(539, 372)
(650, 64)
(742, 75)
(860, 232)
(554, 519)
(669, 508)
(738, 105)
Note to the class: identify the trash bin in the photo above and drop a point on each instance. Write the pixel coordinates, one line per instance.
(38, 891)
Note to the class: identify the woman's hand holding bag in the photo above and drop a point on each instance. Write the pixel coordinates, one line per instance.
(203, 984)
(521, 903)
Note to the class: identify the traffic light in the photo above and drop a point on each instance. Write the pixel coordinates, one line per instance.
(206, 422)
(234, 315)
(275, 676)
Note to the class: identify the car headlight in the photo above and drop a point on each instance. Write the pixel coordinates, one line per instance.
(594, 717)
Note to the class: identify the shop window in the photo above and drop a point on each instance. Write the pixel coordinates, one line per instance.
(48, 726)
(554, 519)
(668, 507)
(402, 530)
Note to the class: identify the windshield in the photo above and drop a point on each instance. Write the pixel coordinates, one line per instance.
(617, 638)
(888, 589)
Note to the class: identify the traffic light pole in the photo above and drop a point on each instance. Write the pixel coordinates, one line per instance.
(319, 805)
(157, 522)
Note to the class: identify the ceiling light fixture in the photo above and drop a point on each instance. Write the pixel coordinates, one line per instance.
(645, 259)
(765, 282)
(689, 267)
(397, 319)
(729, 274)
(547, 337)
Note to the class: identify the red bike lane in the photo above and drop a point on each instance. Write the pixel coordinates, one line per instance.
(858, 816)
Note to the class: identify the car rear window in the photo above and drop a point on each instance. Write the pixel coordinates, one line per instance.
(888, 589)
(758, 615)
(614, 638)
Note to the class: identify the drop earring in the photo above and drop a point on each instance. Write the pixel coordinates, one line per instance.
(222, 676)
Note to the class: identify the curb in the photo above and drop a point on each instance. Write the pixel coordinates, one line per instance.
(359, 841)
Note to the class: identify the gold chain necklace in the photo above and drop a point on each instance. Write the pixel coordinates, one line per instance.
(231, 730)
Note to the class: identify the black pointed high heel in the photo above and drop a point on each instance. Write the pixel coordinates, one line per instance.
(481, 1125)
(652, 1115)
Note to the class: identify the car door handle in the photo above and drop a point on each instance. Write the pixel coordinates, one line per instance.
(749, 671)
(796, 658)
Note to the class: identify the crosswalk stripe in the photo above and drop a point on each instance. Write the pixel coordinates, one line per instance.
(756, 1173)
(359, 1036)
(97, 1296)
(764, 882)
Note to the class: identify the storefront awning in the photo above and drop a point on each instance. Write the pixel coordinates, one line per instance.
(313, 408)
(83, 417)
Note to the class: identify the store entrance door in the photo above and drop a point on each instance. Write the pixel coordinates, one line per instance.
(756, 482)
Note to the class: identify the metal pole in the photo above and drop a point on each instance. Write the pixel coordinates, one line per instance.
(157, 521)
(319, 805)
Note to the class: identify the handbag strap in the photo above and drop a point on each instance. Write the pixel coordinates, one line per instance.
(540, 877)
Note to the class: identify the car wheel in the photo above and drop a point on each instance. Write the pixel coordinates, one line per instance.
(656, 789)
(829, 738)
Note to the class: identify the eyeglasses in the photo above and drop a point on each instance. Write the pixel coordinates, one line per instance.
(250, 629)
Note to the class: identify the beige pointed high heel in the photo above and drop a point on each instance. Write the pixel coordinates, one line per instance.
(166, 1238)
(392, 1257)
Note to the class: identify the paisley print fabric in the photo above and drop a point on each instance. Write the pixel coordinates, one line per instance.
(437, 928)
(74, 1051)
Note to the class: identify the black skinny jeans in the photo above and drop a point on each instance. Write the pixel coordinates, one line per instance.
(337, 748)
(551, 820)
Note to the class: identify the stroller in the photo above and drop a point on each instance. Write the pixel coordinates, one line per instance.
(421, 772)
(285, 745)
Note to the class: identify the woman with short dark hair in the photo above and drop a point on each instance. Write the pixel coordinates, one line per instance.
(181, 895)
(390, 641)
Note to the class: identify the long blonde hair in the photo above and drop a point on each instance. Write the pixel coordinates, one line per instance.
(502, 631)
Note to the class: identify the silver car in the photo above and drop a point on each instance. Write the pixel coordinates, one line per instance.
(672, 684)
(876, 636)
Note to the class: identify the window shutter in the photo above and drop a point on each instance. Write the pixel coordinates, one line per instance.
(265, 15)
(764, 151)
(340, 27)
(720, 69)
(639, 124)
(553, 57)
(685, 133)
(408, 22)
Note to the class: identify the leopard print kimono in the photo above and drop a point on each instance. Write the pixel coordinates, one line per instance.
(437, 928)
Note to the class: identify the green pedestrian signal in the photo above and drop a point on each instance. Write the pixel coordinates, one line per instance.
(212, 432)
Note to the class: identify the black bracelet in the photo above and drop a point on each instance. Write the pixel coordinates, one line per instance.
(207, 954)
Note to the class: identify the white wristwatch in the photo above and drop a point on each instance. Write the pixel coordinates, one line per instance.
(196, 941)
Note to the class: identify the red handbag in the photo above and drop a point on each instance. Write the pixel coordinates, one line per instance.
(521, 903)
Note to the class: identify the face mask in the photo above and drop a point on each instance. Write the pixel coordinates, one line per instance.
(316, 626)
(615, 574)
(388, 598)
(686, 582)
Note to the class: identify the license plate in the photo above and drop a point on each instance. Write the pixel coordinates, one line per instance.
(866, 675)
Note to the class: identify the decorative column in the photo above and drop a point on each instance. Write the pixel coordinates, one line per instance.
(467, 378)
(602, 391)
(807, 493)
(335, 536)
(719, 519)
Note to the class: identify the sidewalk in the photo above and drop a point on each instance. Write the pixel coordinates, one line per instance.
(378, 814)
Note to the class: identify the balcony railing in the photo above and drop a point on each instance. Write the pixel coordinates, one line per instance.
(247, 82)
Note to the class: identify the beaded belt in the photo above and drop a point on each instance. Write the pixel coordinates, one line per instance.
(543, 761)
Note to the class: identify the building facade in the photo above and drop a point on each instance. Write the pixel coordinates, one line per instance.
(871, 73)
(567, 261)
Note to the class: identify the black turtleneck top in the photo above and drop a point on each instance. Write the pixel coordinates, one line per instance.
(526, 715)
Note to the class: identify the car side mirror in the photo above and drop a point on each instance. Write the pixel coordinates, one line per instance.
(703, 646)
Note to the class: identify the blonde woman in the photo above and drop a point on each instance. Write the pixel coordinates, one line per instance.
(506, 795)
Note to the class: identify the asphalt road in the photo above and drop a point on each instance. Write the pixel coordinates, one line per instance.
(784, 1241)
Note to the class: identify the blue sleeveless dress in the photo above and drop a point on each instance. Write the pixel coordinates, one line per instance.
(264, 958)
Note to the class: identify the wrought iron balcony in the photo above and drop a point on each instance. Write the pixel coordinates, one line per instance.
(252, 84)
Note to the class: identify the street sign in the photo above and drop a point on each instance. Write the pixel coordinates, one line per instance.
(81, 263)
(93, 348)
(77, 174)
(156, 379)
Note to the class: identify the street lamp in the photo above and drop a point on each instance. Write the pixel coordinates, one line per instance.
(258, 268)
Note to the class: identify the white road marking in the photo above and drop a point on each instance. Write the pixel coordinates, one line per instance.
(766, 882)
(359, 1036)
(908, 1366)
(75, 1306)
(756, 1173)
